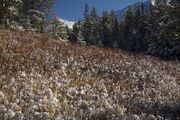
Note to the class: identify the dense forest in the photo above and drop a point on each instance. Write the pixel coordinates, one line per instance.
(150, 29)
(31, 15)
(153, 29)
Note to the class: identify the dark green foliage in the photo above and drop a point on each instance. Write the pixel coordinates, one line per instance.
(86, 11)
(29, 14)
(90, 27)
(106, 29)
(138, 31)
(9, 11)
(129, 30)
(58, 29)
(36, 13)
(73, 35)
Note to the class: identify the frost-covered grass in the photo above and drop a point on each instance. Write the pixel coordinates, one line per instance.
(44, 79)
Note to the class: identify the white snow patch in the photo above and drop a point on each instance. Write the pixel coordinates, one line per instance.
(68, 23)
(153, 2)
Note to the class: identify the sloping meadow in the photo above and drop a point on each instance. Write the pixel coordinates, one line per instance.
(43, 79)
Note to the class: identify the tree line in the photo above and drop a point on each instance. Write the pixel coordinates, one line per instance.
(32, 15)
(26, 13)
(154, 28)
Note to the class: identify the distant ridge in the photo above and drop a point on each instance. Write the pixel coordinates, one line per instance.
(68, 23)
(121, 13)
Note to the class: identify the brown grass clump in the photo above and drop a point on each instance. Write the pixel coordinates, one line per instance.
(41, 78)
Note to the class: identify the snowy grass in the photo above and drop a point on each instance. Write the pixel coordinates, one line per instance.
(41, 78)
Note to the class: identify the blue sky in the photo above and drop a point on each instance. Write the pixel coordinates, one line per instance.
(73, 9)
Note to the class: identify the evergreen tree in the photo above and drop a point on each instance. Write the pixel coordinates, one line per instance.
(114, 29)
(86, 31)
(27, 13)
(9, 10)
(116, 33)
(106, 34)
(89, 25)
(174, 20)
(93, 13)
(86, 11)
(121, 35)
(75, 34)
(95, 36)
(151, 25)
(34, 13)
(58, 29)
(129, 30)
(140, 28)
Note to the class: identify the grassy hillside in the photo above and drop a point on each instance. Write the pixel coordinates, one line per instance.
(44, 79)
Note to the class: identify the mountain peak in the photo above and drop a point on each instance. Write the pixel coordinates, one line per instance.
(161, 2)
(120, 13)
(67, 22)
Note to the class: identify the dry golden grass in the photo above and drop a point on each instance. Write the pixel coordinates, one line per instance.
(119, 82)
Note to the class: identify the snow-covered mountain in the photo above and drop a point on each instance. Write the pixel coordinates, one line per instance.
(120, 13)
(162, 2)
(68, 23)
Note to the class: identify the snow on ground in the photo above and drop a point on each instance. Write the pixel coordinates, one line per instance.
(43, 79)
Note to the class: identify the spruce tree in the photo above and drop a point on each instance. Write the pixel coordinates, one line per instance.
(86, 11)
(140, 28)
(75, 34)
(58, 29)
(129, 29)
(106, 29)
(174, 22)
(35, 13)
(87, 29)
(114, 29)
(9, 11)
(95, 36)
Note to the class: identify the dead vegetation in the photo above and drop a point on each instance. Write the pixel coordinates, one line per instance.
(41, 78)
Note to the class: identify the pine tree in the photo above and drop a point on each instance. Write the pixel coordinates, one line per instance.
(129, 30)
(34, 13)
(86, 11)
(75, 34)
(151, 25)
(95, 36)
(93, 13)
(174, 22)
(121, 35)
(140, 28)
(40, 5)
(58, 29)
(116, 33)
(106, 29)
(27, 13)
(114, 29)
(9, 10)
(87, 29)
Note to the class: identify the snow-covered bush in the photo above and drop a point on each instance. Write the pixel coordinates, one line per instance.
(56, 80)
(57, 29)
